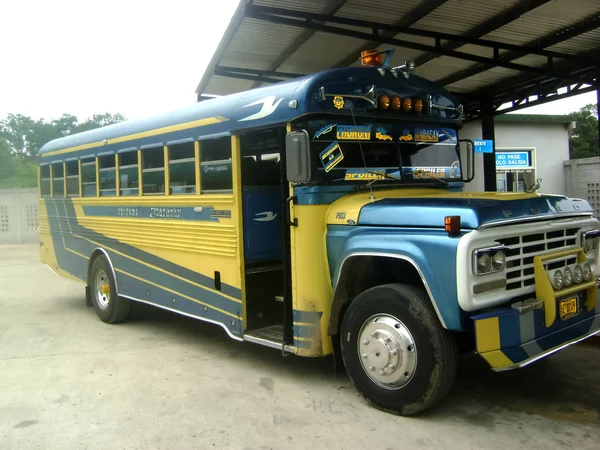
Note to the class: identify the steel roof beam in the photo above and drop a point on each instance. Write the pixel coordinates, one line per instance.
(379, 30)
(258, 76)
(549, 40)
(406, 21)
(302, 23)
(498, 21)
(522, 103)
(331, 9)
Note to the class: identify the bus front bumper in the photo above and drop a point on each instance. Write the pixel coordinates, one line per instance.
(511, 337)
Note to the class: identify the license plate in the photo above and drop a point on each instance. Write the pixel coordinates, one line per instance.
(567, 307)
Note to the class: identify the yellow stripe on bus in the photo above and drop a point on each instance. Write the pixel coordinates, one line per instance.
(208, 305)
(130, 137)
(77, 253)
(162, 270)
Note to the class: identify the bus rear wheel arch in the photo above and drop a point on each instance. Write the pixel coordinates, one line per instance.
(102, 292)
(395, 351)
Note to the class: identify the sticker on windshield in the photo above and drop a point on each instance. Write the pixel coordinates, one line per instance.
(455, 170)
(434, 135)
(406, 135)
(362, 174)
(326, 129)
(429, 172)
(370, 174)
(331, 156)
(353, 132)
(427, 135)
(382, 134)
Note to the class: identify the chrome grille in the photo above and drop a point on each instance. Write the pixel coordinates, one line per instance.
(522, 249)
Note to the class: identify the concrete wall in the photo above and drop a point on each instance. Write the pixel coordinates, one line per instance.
(582, 180)
(18, 216)
(551, 143)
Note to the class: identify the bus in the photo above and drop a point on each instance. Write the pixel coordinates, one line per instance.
(326, 215)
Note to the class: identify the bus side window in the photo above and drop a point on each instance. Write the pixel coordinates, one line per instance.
(153, 171)
(72, 178)
(45, 181)
(58, 181)
(108, 176)
(88, 177)
(216, 165)
(128, 173)
(182, 168)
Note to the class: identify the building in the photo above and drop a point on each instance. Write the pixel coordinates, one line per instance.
(528, 148)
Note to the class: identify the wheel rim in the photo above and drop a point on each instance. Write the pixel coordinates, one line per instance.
(102, 290)
(387, 351)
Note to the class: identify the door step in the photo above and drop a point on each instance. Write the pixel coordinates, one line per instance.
(270, 336)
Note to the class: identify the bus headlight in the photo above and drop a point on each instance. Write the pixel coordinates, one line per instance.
(586, 272)
(577, 274)
(488, 260)
(498, 260)
(567, 277)
(484, 263)
(556, 279)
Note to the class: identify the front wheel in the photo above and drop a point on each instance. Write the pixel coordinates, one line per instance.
(109, 307)
(395, 351)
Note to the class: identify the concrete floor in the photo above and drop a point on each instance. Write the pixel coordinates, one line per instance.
(164, 381)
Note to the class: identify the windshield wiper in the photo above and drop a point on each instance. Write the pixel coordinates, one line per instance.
(421, 172)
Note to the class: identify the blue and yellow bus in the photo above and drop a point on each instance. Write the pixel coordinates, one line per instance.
(324, 215)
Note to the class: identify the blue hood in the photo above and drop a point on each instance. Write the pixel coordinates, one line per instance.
(475, 210)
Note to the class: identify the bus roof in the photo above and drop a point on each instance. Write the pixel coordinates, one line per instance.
(277, 103)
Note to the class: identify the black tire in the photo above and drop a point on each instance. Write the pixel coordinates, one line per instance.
(432, 358)
(111, 308)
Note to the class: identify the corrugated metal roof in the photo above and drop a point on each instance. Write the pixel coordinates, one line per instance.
(271, 40)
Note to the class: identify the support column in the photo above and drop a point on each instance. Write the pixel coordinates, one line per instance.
(487, 133)
(598, 106)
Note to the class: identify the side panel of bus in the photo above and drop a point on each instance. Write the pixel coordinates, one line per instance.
(177, 252)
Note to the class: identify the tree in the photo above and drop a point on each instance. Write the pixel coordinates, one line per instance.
(14, 171)
(583, 142)
(26, 136)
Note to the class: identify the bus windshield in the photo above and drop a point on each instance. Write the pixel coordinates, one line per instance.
(387, 152)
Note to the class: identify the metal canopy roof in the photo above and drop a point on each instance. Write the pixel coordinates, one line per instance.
(521, 52)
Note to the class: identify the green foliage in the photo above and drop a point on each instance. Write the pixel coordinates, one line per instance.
(15, 172)
(26, 136)
(583, 142)
(21, 138)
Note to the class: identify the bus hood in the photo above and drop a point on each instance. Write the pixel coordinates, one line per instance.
(429, 207)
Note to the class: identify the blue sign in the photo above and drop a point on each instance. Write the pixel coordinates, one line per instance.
(513, 160)
(484, 146)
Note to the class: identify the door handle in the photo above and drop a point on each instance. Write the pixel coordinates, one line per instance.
(290, 200)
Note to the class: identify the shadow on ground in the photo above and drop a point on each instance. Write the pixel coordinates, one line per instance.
(562, 388)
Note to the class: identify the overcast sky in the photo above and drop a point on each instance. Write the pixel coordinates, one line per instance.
(134, 57)
(84, 57)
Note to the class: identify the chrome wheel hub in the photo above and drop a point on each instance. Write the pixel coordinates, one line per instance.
(102, 289)
(387, 351)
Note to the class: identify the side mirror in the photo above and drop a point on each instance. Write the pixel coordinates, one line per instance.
(297, 153)
(467, 159)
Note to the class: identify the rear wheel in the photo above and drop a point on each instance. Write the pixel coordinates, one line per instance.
(109, 307)
(395, 351)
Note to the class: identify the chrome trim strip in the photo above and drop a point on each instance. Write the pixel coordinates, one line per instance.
(112, 268)
(404, 258)
(547, 353)
(214, 322)
(265, 342)
(591, 234)
(532, 219)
